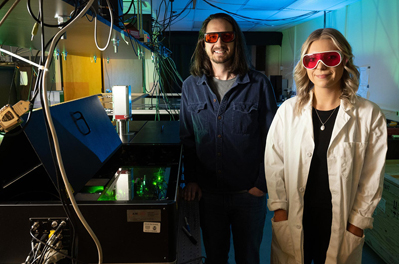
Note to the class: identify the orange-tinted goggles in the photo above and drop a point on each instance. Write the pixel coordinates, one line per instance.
(329, 58)
(213, 37)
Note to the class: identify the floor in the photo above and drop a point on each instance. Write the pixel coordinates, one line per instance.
(369, 256)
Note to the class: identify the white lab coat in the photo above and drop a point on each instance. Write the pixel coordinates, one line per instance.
(355, 158)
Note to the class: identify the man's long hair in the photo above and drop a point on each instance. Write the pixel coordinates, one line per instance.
(349, 79)
(201, 63)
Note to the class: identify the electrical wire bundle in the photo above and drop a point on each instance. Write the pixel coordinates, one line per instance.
(47, 249)
(172, 18)
(163, 64)
(164, 68)
(165, 73)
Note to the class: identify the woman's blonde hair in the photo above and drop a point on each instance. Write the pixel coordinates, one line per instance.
(350, 77)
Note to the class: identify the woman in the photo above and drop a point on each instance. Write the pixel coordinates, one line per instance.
(324, 159)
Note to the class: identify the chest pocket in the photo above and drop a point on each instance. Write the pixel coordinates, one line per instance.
(245, 117)
(199, 116)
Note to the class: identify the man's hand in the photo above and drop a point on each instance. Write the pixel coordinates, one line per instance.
(355, 230)
(256, 192)
(191, 190)
(280, 215)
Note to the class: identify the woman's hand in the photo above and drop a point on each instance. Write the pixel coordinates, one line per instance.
(355, 230)
(280, 215)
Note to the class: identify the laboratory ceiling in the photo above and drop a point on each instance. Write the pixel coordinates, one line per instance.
(252, 15)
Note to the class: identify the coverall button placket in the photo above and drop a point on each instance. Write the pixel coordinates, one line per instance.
(219, 142)
(219, 149)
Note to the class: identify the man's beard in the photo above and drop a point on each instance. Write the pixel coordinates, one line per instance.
(222, 59)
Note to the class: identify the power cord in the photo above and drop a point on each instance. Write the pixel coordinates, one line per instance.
(9, 11)
(2, 4)
(55, 138)
(110, 28)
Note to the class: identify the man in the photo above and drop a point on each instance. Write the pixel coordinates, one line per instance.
(226, 110)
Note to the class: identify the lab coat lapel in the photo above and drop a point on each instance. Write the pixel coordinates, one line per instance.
(307, 110)
(307, 142)
(342, 119)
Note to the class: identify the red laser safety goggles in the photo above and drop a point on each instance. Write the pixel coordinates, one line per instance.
(329, 58)
(213, 37)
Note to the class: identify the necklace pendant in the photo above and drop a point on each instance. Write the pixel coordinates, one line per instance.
(322, 127)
